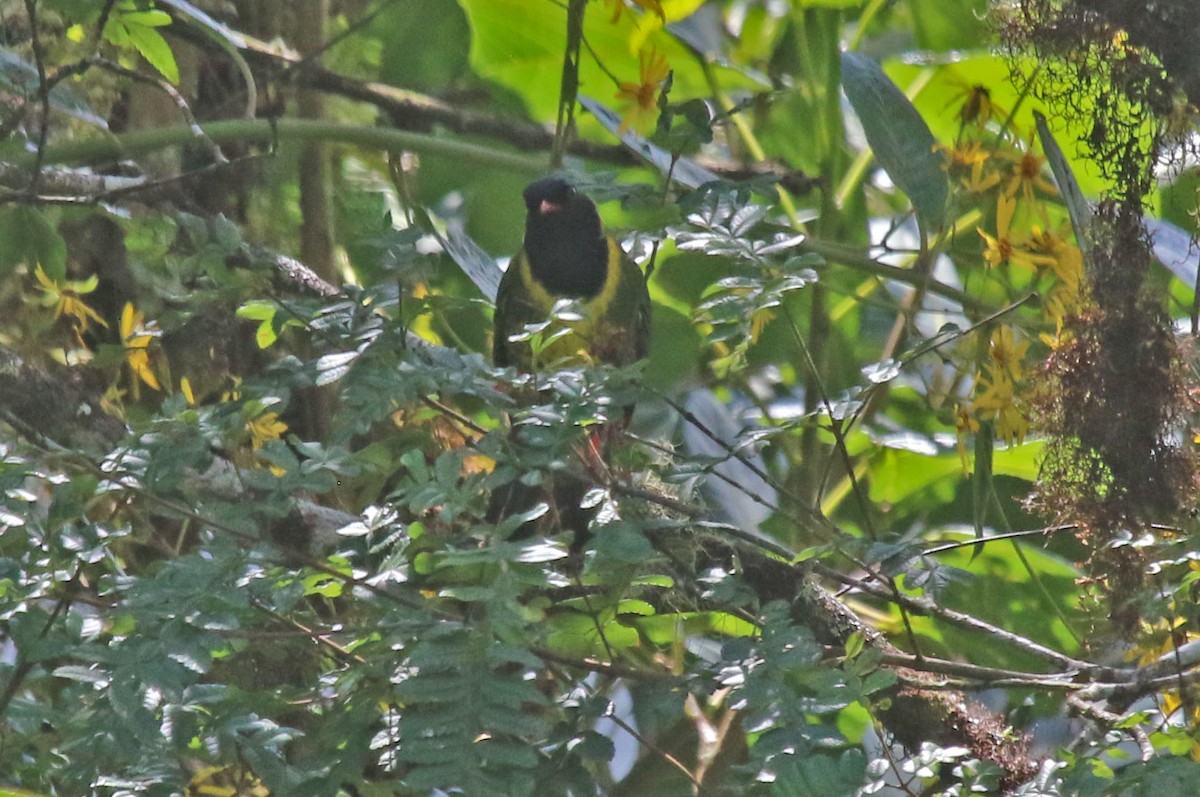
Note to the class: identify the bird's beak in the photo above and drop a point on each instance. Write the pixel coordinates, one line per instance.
(547, 207)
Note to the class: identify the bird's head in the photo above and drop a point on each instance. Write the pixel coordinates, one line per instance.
(564, 238)
(555, 204)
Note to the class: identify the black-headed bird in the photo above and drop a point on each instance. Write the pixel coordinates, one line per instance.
(567, 255)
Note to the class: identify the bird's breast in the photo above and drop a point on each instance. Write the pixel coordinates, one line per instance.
(576, 341)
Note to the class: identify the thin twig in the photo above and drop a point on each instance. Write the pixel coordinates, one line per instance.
(926, 606)
(670, 759)
(43, 93)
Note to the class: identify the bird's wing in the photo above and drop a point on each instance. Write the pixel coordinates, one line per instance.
(634, 296)
(513, 312)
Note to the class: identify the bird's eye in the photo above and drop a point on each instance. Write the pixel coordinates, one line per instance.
(571, 192)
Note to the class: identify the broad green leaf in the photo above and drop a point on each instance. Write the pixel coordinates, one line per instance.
(154, 48)
(898, 474)
(1019, 461)
(145, 19)
(27, 237)
(898, 135)
(624, 542)
(943, 26)
(426, 57)
(519, 44)
(264, 313)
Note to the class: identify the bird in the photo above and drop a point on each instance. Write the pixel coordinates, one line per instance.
(567, 255)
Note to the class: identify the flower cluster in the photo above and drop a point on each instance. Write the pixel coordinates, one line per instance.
(640, 99)
(143, 363)
(1009, 176)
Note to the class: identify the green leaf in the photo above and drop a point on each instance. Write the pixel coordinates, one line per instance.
(429, 56)
(20, 77)
(854, 644)
(146, 19)
(322, 584)
(154, 48)
(475, 263)
(27, 237)
(901, 140)
(682, 170)
(1068, 187)
(264, 313)
(519, 45)
(623, 542)
(981, 479)
(11, 792)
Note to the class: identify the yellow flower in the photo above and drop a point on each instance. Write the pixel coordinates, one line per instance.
(185, 387)
(1006, 352)
(65, 298)
(977, 182)
(966, 161)
(1066, 298)
(963, 155)
(964, 423)
(1026, 174)
(1068, 260)
(1001, 248)
(264, 428)
(996, 400)
(759, 320)
(234, 393)
(136, 336)
(652, 70)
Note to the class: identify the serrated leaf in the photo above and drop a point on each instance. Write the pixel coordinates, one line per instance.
(899, 137)
(154, 48)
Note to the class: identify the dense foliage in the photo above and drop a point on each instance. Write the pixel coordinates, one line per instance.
(907, 503)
